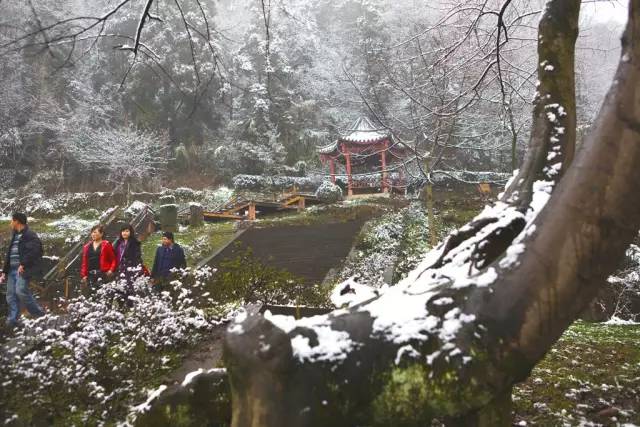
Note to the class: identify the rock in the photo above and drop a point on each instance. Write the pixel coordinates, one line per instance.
(196, 216)
(168, 217)
(608, 412)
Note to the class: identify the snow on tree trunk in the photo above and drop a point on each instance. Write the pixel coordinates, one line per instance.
(553, 135)
(474, 317)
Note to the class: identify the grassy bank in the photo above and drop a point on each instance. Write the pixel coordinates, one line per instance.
(590, 376)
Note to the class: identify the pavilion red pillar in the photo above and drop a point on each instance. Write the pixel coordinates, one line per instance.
(347, 156)
(251, 216)
(332, 169)
(383, 161)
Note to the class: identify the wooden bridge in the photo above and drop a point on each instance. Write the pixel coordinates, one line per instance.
(243, 208)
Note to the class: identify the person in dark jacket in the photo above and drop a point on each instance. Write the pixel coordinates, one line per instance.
(98, 259)
(128, 254)
(22, 263)
(169, 255)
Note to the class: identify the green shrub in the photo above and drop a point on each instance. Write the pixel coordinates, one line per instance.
(245, 278)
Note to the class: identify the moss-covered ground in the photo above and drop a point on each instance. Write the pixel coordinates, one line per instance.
(454, 208)
(591, 376)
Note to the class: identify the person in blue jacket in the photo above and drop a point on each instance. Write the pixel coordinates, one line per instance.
(169, 255)
(23, 262)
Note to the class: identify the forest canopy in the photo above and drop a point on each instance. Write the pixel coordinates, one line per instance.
(254, 87)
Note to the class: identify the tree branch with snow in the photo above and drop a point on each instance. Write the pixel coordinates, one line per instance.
(450, 340)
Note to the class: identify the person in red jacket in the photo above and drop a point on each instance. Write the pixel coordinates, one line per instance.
(98, 260)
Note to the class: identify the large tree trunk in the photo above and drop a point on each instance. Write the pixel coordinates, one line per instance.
(449, 341)
(553, 134)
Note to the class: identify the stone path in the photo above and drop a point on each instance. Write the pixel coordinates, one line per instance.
(308, 251)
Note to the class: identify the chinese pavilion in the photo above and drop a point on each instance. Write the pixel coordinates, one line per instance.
(368, 153)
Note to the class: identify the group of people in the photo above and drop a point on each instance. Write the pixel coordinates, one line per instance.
(101, 262)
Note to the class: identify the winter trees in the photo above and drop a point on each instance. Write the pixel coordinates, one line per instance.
(124, 156)
(272, 109)
(481, 309)
(201, 72)
(167, 60)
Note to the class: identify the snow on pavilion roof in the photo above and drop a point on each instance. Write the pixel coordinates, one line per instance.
(363, 131)
(328, 149)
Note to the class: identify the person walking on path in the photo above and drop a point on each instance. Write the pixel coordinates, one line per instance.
(22, 263)
(98, 260)
(169, 255)
(128, 254)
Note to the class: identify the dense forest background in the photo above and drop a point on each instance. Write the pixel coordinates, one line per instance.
(246, 86)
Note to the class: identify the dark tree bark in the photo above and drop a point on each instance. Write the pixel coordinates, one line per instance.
(449, 341)
(553, 137)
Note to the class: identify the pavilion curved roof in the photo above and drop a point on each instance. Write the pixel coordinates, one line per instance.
(362, 131)
(329, 148)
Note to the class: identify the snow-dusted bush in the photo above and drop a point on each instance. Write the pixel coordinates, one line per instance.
(275, 183)
(376, 251)
(72, 225)
(185, 193)
(88, 366)
(93, 364)
(299, 169)
(414, 243)
(370, 179)
(388, 247)
(249, 182)
(329, 192)
(470, 177)
(39, 205)
(213, 199)
(238, 155)
(624, 289)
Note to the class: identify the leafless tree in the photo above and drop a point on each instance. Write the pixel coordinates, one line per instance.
(125, 155)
